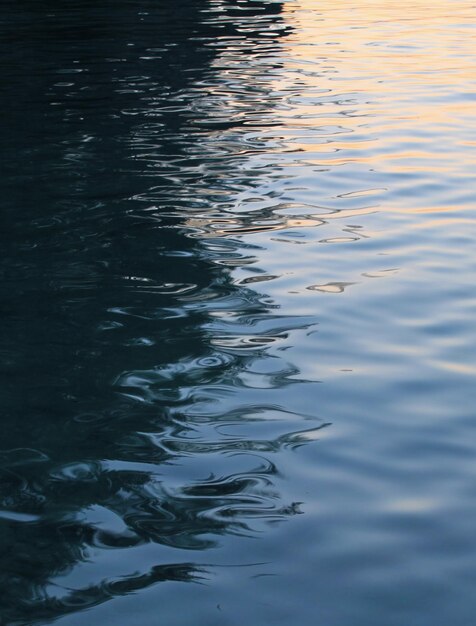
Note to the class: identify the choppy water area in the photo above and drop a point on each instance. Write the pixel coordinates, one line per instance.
(238, 302)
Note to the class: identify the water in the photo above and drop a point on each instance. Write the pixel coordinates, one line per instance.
(238, 311)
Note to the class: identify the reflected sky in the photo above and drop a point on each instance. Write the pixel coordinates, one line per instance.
(238, 291)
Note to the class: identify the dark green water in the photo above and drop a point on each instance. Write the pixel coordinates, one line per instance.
(237, 313)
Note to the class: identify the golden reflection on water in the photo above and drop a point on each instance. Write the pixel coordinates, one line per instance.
(398, 73)
(370, 99)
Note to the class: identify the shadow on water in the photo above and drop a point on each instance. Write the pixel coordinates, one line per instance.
(127, 419)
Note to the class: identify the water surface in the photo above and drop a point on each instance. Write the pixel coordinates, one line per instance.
(238, 307)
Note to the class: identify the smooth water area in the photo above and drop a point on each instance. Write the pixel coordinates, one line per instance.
(238, 303)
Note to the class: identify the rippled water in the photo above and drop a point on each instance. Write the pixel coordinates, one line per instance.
(238, 302)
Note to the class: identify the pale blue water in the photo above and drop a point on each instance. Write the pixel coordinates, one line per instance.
(238, 302)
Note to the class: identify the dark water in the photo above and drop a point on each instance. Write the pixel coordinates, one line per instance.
(237, 313)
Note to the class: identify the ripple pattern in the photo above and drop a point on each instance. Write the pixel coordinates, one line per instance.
(237, 291)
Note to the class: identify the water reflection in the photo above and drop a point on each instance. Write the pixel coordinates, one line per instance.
(226, 225)
(137, 373)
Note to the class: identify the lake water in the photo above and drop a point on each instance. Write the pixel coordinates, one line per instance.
(238, 310)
